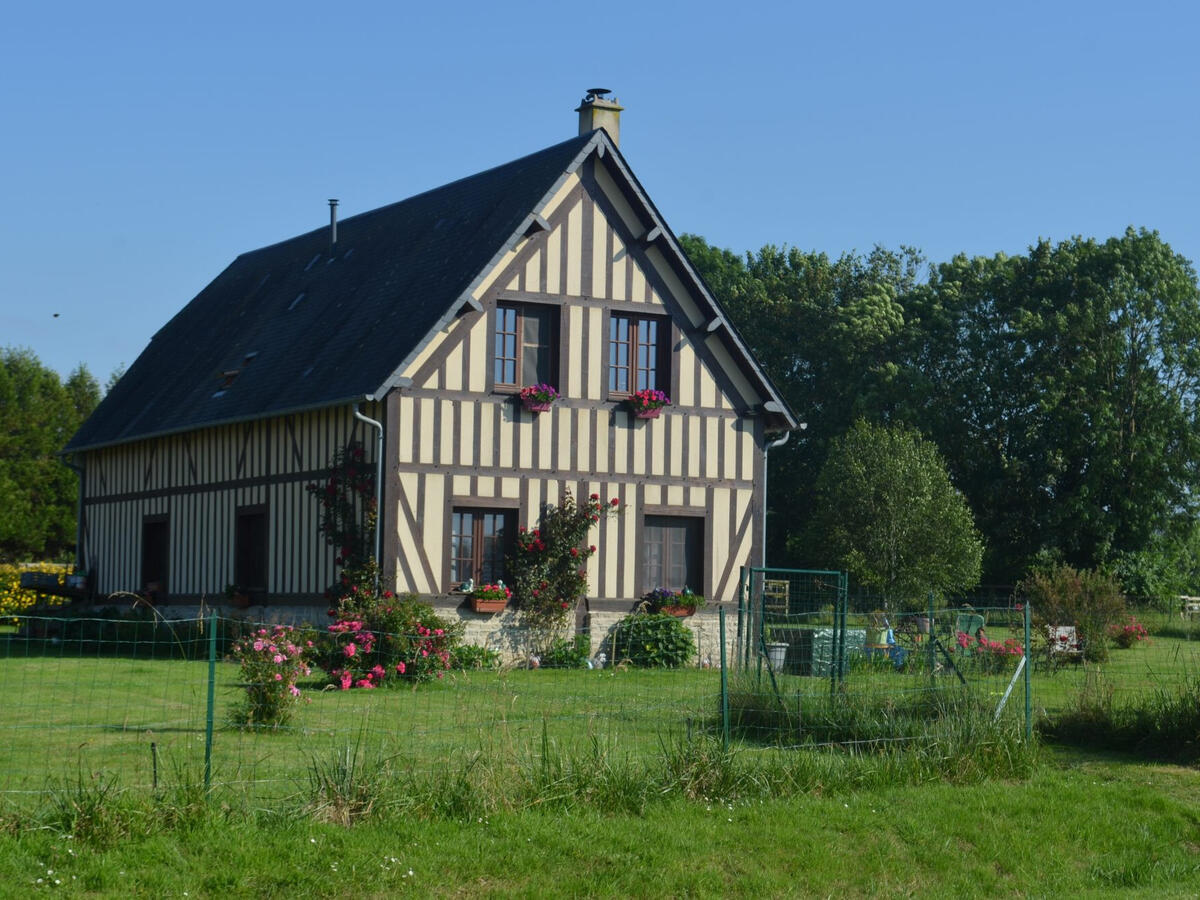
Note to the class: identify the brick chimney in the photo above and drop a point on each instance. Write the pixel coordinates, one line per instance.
(597, 111)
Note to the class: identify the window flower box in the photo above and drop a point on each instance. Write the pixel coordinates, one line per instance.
(673, 603)
(538, 397)
(490, 598)
(648, 404)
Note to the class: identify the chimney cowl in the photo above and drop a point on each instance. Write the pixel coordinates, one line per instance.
(596, 110)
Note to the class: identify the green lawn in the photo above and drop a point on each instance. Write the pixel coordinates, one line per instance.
(61, 715)
(1082, 826)
(103, 714)
(65, 719)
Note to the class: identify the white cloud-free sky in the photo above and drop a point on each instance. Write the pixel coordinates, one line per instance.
(145, 145)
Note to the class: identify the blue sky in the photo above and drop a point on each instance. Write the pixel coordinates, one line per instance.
(148, 144)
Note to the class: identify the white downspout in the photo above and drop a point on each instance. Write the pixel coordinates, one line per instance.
(766, 450)
(378, 426)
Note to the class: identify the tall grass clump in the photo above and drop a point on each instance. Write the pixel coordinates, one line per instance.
(1162, 724)
(92, 809)
(929, 732)
(347, 785)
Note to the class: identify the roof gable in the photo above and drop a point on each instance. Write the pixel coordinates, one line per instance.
(293, 326)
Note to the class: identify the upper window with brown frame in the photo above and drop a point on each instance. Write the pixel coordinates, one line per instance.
(526, 345)
(637, 354)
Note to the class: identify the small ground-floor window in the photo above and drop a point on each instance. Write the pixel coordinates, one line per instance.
(250, 551)
(156, 556)
(479, 540)
(672, 553)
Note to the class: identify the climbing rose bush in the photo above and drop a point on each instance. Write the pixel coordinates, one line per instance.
(272, 661)
(548, 567)
(376, 637)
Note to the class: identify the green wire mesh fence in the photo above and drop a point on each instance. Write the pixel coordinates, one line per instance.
(146, 700)
(817, 668)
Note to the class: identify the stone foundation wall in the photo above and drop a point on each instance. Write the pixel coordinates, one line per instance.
(498, 631)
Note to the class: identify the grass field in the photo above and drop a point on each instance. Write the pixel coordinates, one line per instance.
(609, 789)
(1087, 826)
(102, 714)
(62, 715)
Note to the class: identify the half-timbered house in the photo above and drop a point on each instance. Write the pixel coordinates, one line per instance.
(411, 329)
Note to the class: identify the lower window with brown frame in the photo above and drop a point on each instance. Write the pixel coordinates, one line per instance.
(479, 540)
(672, 553)
(250, 552)
(156, 556)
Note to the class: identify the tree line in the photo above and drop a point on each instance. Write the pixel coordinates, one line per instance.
(39, 411)
(1059, 387)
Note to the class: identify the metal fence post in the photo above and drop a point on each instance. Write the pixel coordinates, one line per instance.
(724, 683)
(930, 643)
(741, 612)
(1028, 678)
(212, 691)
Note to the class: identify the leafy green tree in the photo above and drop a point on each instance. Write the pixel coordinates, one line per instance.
(887, 513)
(1062, 387)
(827, 332)
(38, 415)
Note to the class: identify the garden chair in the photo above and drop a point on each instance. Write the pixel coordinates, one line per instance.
(1064, 641)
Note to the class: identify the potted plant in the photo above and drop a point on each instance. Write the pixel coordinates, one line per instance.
(538, 397)
(673, 603)
(648, 403)
(776, 651)
(877, 629)
(490, 598)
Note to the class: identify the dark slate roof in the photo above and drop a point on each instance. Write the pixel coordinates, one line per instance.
(396, 273)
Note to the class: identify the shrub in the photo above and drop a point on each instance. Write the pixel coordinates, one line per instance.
(272, 661)
(653, 640)
(14, 600)
(1125, 634)
(1086, 599)
(387, 639)
(472, 656)
(376, 637)
(988, 656)
(567, 654)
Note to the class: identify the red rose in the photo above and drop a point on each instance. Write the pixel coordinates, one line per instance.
(615, 501)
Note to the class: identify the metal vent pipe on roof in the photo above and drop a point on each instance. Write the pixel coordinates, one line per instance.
(332, 224)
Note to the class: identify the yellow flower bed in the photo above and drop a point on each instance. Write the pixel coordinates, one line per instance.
(13, 600)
